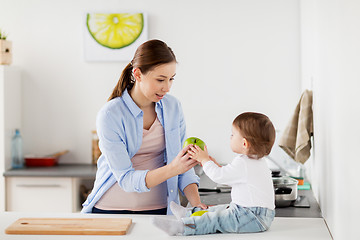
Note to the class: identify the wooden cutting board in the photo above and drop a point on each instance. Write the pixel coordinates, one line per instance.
(70, 226)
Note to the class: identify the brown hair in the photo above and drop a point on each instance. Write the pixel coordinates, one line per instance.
(147, 56)
(258, 130)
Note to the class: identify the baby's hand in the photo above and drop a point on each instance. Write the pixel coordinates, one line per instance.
(198, 154)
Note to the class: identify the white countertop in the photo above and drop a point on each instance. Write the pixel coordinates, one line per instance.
(142, 228)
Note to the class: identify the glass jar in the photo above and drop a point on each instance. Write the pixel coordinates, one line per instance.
(95, 147)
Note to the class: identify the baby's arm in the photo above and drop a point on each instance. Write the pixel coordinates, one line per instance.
(232, 173)
(213, 159)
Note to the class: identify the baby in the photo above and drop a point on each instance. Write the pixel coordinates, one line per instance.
(252, 194)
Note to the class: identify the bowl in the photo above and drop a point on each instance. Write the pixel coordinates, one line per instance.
(46, 161)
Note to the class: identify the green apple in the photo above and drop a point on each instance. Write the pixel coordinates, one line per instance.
(194, 141)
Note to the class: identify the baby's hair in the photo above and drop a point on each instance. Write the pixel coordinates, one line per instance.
(258, 130)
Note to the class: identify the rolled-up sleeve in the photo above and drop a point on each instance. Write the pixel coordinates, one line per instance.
(113, 147)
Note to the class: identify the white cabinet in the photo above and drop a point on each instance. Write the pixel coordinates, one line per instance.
(42, 194)
(10, 118)
(60, 188)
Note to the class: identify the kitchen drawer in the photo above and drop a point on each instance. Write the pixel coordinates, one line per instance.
(40, 194)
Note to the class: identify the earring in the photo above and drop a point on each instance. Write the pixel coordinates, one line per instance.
(132, 79)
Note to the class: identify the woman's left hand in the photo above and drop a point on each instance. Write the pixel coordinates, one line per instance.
(202, 205)
(192, 194)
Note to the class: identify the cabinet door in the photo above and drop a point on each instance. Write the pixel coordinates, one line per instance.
(39, 194)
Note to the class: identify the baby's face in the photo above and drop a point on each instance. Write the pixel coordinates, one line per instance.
(238, 143)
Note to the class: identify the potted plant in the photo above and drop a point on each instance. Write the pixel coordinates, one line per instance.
(5, 49)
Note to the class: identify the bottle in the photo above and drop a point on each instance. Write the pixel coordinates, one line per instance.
(17, 157)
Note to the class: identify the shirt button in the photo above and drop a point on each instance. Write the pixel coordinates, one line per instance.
(171, 190)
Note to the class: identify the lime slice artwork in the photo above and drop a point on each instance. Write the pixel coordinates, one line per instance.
(115, 30)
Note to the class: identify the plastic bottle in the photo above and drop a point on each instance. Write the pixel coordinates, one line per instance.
(17, 157)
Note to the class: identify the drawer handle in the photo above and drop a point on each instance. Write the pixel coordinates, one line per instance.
(38, 185)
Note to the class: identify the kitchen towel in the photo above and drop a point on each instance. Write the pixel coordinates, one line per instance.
(295, 140)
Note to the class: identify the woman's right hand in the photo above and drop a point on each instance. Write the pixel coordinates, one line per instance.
(182, 162)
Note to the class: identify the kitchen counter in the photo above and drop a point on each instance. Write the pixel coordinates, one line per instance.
(62, 170)
(210, 198)
(142, 228)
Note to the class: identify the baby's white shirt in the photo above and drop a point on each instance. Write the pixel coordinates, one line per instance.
(250, 179)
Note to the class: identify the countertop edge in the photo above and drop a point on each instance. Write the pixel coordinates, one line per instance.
(61, 170)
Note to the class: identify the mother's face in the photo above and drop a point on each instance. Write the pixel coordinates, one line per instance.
(157, 82)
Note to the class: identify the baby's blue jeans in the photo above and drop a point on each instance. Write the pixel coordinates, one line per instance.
(229, 219)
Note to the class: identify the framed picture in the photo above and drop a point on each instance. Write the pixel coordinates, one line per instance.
(113, 36)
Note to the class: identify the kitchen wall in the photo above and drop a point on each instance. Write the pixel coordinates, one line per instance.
(233, 56)
(330, 53)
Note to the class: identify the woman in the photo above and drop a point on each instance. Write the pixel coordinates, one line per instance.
(141, 130)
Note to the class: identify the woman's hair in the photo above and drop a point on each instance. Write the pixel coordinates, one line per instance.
(147, 56)
(258, 130)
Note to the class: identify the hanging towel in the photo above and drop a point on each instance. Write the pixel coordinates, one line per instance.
(295, 140)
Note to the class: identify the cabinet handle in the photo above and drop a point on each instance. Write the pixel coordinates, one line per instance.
(38, 185)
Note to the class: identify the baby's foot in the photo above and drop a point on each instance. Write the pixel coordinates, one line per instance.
(178, 210)
(170, 226)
